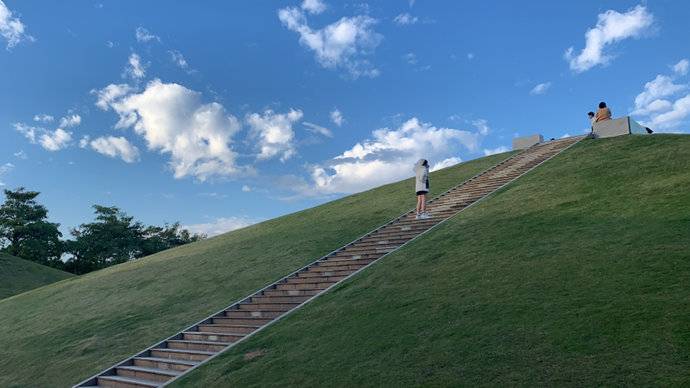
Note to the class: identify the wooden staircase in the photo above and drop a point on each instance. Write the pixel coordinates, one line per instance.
(193, 346)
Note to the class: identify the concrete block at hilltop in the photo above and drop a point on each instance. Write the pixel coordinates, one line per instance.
(521, 143)
(618, 127)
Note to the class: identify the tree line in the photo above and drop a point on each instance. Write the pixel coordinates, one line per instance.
(112, 238)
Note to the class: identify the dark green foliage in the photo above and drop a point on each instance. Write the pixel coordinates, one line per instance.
(25, 231)
(114, 238)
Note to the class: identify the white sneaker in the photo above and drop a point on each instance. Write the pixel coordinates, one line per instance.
(424, 216)
(418, 216)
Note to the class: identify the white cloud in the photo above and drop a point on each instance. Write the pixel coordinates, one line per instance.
(143, 35)
(611, 27)
(662, 104)
(318, 129)
(111, 93)
(55, 140)
(246, 189)
(681, 68)
(21, 155)
(135, 68)
(470, 56)
(313, 6)
(650, 99)
(540, 88)
(482, 125)
(410, 58)
(178, 59)
(452, 161)
(405, 19)
(4, 169)
(173, 120)
(28, 131)
(114, 147)
(43, 118)
(274, 133)
(220, 225)
(70, 121)
(497, 150)
(337, 117)
(343, 44)
(389, 156)
(11, 28)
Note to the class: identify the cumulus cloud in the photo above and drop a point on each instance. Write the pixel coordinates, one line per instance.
(55, 140)
(664, 104)
(389, 156)
(221, 225)
(405, 19)
(410, 58)
(274, 133)
(143, 35)
(337, 117)
(174, 120)
(70, 121)
(114, 147)
(482, 126)
(313, 128)
(4, 169)
(43, 118)
(651, 99)
(135, 69)
(313, 6)
(343, 44)
(11, 28)
(497, 150)
(681, 68)
(178, 59)
(21, 155)
(541, 88)
(611, 27)
(452, 161)
(50, 140)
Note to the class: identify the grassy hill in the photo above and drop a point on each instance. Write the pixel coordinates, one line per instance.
(59, 335)
(18, 275)
(578, 275)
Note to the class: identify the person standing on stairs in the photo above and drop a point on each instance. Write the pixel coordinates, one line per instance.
(421, 170)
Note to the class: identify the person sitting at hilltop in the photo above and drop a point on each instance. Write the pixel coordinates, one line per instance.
(603, 113)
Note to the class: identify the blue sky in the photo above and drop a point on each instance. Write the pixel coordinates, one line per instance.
(219, 114)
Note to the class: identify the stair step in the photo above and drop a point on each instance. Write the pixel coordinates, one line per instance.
(164, 363)
(212, 337)
(321, 268)
(268, 306)
(319, 280)
(149, 374)
(180, 354)
(235, 313)
(304, 285)
(124, 382)
(318, 274)
(241, 321)
(232, 329)
(206, 346)
(291, 292)
(280, 299)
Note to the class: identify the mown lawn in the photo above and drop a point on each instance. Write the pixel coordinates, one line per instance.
(576, 275)
(61, 334)
(17, 275)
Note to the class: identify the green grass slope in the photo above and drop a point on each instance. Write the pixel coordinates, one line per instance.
(578, 274)
(61, 334)
(18, 275)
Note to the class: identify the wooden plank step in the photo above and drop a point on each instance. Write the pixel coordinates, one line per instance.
(144, 373)
(164, 363)
(181, 354)
(124, 382)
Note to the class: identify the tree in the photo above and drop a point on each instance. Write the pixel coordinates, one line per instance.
(25, 231)
(114, 238)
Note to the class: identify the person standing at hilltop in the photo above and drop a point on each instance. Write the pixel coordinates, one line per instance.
(421, 170)
(603, 113)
